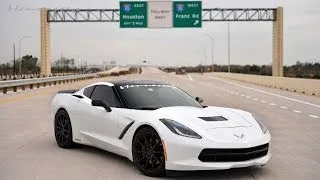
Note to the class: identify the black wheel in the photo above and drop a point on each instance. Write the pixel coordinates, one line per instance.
(148, 154)
(63, 129)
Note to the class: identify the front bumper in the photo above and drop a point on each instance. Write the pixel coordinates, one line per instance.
(195, 164)
(182, 154)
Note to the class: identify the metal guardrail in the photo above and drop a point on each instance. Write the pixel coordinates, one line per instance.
(24, 82)
(7, 77)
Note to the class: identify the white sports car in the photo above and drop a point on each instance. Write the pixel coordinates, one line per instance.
(159, 127)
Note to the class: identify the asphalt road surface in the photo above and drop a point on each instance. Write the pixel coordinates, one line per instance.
(28, 149)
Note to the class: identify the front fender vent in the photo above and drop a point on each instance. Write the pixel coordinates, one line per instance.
(214, 118)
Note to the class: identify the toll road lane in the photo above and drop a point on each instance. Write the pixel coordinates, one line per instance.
(28, 149)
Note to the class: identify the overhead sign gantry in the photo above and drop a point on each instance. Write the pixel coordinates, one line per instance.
(183, 15)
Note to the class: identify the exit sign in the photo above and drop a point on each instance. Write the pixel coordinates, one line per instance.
(133, 14)
(187, 14)
(160, 14)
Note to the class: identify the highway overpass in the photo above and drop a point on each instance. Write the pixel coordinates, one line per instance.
(28, 149)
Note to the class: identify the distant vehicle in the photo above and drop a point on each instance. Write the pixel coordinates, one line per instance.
(181, 71)
(159, 127)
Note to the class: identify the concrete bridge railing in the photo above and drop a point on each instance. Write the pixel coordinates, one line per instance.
(304, 86)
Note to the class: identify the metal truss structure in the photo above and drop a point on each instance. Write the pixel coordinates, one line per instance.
(113, 15)
(83, 15)
(239, 14)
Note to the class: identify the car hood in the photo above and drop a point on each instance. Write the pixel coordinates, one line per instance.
(207, 118)
(236, 126)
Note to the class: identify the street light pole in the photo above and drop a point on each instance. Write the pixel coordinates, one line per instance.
(212, 53)
(23, 37)
(14, 60)
(205, 59)
(228, 47)
(20, 56)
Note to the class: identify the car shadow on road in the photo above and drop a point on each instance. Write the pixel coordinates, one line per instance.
(239, 173)
(104, 154)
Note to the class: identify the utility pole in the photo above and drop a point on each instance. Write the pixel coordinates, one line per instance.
(20, 56)
(61, 55)
(14, 60)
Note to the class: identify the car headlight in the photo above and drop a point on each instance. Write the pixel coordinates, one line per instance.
(262, 126)
(180, 129)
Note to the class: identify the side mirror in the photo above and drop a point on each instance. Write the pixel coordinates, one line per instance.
(200, 100)
(101, 103)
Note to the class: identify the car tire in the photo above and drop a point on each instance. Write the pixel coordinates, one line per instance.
(63, 129)
(148, 153)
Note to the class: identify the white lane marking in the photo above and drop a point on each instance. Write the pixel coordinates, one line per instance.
(277, 95)
(272, 104)
(313, 116)
(248, 97)
(283, 107)
(183, 77)
(296, 111)
(190, 77)
(255, 99)
(263, 101)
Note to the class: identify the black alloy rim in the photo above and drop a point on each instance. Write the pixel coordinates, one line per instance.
(62, 129)
(149, 151)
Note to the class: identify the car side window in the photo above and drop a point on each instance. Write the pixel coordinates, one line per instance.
(88, 91)
(106, 93)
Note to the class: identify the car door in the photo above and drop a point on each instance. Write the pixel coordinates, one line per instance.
(103, 124)
(83, 115)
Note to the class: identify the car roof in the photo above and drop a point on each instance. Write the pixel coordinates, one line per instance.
(137, 82)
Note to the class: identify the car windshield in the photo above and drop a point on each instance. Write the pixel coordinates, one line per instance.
(151, 97)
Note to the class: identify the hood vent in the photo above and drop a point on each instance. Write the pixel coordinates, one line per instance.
(214, 118)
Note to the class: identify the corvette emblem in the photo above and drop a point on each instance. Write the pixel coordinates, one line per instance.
(239, 136)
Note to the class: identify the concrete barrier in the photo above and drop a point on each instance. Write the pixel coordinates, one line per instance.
(304, 86)
(113, 70)
(116, 71)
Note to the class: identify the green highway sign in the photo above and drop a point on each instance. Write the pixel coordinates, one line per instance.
(133, 14)
(160, 14)
(187, 14)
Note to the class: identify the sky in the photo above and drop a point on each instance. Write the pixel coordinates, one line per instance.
(250, 42)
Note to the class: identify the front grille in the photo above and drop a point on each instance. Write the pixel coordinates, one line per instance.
(233, 155)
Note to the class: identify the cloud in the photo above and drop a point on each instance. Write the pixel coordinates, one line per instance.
(251, 43)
